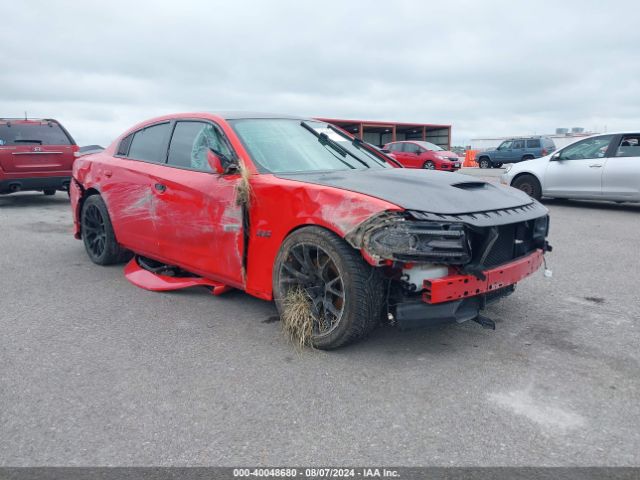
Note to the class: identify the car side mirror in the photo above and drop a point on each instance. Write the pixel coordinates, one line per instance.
(215, 162)
(555, 156)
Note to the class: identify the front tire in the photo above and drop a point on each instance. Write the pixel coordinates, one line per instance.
(429, 165)
(484, 162)
(529, 185)
(345, 293)
(49, 191)
(97, 233)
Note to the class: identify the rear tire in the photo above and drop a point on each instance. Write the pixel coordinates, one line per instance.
(527, 157)
(484, 162)
(498, 165)
(429, 165)
(49, 191)
(313, 259)
(529, 185)
(97, 233)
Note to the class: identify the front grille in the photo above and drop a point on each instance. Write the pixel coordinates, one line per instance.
(504, 247)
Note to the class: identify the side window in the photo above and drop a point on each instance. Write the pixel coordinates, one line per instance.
(410, 148)
(595, 147)
(190, 142)
(395, 147)
(629, 146)
(505, 145)
(123, 148)
(535, 143)
(149, 143)
(517, 144)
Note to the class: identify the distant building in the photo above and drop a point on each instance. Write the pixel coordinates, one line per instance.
(561, 138)
(379, 133)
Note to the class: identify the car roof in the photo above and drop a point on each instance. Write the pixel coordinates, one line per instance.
(237, 115)
(28, 120)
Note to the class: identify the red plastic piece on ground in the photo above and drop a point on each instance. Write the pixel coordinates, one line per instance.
(160, 283)
(455, 287)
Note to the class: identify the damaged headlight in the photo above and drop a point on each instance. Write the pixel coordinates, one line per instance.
(420, 241)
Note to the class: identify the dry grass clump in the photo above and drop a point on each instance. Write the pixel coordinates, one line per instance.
(297, 319)
(243, 187)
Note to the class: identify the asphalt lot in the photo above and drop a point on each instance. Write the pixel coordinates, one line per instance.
(95, 371)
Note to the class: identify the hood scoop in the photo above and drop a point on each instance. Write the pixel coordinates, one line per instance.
(470, 185)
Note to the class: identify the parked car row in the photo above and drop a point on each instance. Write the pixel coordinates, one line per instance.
(274, 204)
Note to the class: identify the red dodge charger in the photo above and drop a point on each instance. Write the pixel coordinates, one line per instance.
(271, 203)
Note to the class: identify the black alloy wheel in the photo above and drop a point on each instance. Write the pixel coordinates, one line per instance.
(94, 231)
(311, 268)
(98, 235)
(345, 293)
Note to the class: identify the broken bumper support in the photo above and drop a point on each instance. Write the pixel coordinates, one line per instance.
(447, 289)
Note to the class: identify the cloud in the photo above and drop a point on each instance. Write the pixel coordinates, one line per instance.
(487, 68)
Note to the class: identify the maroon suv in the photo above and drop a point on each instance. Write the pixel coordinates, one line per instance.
(35, 155)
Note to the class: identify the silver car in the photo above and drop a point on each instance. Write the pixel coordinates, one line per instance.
(601, 167)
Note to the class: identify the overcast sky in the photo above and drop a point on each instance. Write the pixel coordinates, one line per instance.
(487, 68)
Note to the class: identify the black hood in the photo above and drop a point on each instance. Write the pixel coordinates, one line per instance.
(421, 190)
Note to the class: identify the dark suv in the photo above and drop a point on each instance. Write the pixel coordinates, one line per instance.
(516, 150)
(35, 155)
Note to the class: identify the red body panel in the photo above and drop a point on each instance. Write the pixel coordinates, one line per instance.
(281, 206)
(455, 287)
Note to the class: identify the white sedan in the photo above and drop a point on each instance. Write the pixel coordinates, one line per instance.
(601, 167)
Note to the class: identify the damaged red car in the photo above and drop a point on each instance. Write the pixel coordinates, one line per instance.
(272, 204)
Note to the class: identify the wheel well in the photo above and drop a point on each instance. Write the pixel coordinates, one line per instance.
(85, 194)
(528, 157)
(305, 225)
(524, 174)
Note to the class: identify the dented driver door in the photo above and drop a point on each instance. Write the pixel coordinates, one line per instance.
(198, 223)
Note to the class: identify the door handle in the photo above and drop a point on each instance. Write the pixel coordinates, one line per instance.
(595, 165)
(160, 187)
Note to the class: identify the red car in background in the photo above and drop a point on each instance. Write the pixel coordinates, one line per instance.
(418, 154)
(35, 155)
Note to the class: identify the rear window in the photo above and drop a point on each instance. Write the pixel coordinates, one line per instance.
(149, 144)
(123, 149)
(533, 143)
(46, 133)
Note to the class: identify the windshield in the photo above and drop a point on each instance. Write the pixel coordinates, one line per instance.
(278, 145)
(430, 146)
